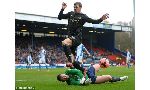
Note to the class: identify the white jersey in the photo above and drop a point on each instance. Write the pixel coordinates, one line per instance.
(42, 56)
(42, 53)
(29, 58)
(128, 56)
(80, 52)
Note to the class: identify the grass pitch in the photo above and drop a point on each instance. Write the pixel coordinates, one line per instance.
(46, 80)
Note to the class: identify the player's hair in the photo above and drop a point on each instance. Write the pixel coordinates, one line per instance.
(59, 77)
(78, 3)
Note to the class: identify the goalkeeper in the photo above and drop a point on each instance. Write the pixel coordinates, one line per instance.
(75, 77)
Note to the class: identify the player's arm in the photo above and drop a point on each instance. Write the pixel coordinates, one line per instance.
(83, 77)
(61, 15)
(78, 73)
(86, 51)
(90, 20)
(74, 72)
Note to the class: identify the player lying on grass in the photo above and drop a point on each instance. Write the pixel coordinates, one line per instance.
(72, 78)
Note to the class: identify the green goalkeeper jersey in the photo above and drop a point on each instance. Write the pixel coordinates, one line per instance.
(75, 76)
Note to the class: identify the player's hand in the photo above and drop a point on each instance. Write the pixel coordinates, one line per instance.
(69, 64)
(105, 16)
(87, 81)
(82, 80)
(64, 5)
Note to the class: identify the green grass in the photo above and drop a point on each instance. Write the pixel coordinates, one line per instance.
(46, 80)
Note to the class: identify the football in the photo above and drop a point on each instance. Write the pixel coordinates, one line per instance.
(104, 63)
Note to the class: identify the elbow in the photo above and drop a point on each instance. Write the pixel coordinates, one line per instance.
(59, 17)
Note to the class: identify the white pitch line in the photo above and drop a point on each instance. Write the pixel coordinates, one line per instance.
(21, 80)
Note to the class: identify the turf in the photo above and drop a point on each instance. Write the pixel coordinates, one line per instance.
(46, 80)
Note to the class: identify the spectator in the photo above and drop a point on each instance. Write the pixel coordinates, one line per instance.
(128, 58)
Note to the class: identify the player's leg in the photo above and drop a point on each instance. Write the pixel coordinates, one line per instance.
(80, 59)
(29, 65)
(39, 67)
(40, 61)
(78, 63)
(102, 79)
(76, 41)
(67, 42)
(79, 53)
(106, 78)
(115, 79)
(46, 65)
(92, 70)
(66, 47)
(128, 63)
(44, 62)
(96, 79)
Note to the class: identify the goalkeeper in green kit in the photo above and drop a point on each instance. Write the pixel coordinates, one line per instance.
(76, 77)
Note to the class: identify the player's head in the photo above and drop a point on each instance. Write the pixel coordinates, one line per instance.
(104, 63)
(77, 7)
(62, 77)
(127, 49)
(42, 47)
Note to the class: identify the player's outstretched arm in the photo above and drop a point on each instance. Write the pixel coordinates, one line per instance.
(61, 15)
(90, 20)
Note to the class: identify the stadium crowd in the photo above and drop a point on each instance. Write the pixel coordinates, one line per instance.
(54, 50)
(23, 45)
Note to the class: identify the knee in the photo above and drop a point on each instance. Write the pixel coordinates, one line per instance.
(67, 42)
(64, 43)
(108, 76)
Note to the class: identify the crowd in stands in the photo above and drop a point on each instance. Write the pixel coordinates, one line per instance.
(24, 44)
(55, 54)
